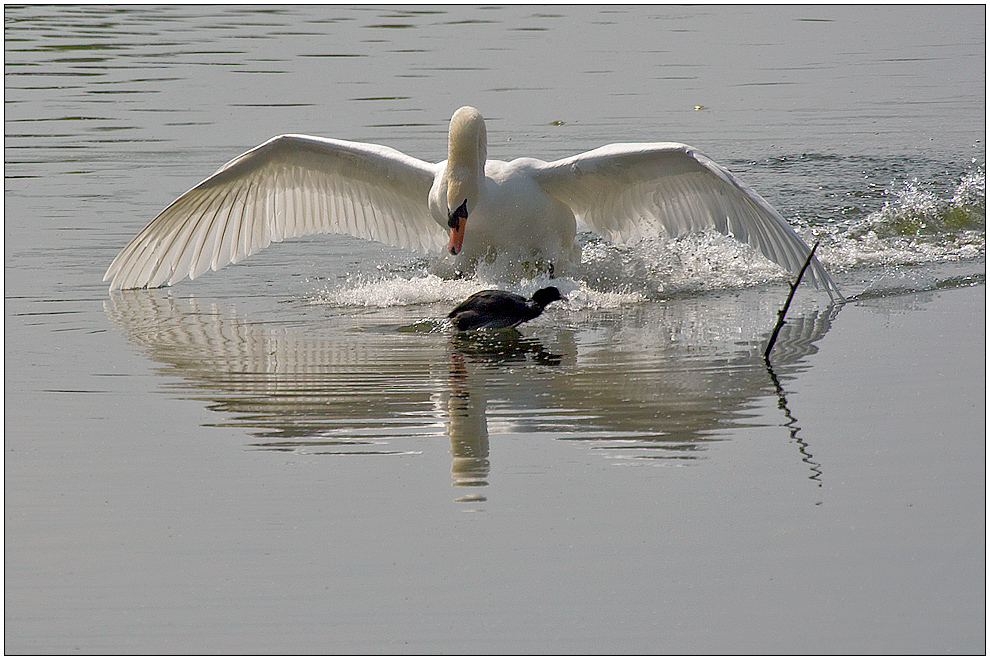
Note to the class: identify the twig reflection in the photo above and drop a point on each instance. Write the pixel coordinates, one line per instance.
(794, 341)
(792, 425)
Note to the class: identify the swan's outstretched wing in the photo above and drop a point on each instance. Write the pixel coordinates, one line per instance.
(292, 185)
(627, 191)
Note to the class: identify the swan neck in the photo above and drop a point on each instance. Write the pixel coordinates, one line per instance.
(467, 148)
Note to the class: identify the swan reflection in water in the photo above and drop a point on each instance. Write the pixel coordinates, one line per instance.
(467, 402)
(654, 382)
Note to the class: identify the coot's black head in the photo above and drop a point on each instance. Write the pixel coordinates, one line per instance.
(544, 297)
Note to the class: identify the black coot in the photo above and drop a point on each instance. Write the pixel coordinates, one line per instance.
(492, 310)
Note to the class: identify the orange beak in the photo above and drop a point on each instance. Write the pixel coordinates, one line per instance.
(457, 222)
(457, 237)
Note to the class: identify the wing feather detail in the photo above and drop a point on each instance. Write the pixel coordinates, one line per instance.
(292, 185)
(632, 191)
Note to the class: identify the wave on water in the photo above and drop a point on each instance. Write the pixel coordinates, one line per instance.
(917, 226)
(919, 223)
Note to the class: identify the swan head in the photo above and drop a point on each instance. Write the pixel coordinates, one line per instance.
(467, 138)
(467, 152)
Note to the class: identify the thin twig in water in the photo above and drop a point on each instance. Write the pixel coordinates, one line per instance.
(783, 312)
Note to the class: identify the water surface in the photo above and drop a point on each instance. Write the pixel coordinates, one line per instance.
(295, 455)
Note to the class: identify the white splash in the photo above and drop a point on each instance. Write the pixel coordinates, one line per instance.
(431, 289)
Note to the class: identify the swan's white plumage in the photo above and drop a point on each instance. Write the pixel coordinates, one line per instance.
(292, 185)
(295, 185)
(630, 191)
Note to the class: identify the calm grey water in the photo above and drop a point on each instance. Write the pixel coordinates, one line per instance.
(293, 455)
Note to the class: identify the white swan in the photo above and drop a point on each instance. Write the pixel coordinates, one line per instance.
(525, 210)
